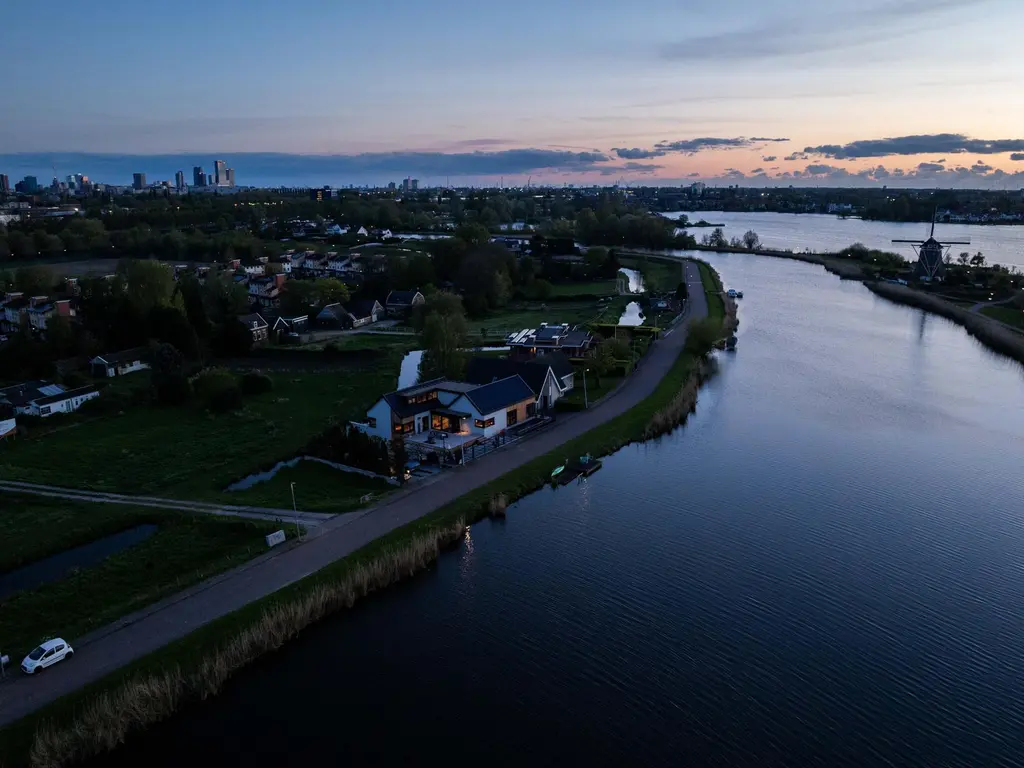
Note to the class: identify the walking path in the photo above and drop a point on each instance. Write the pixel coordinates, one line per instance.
(308, 519)
(135, 636)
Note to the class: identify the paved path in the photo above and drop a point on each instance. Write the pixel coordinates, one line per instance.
(982, 304)
(135, 636)
(308, 519)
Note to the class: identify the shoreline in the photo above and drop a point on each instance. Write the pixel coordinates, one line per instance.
(84, 722)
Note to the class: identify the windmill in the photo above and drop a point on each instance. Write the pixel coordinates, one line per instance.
(930, 265)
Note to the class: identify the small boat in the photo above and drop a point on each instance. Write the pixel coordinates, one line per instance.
(731, 293)
(730, 344)
(739, 294)
(557, 471)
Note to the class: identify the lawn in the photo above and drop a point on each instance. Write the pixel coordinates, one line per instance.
(660, 275)
(318, 488)
(353, 341)
(1008, 315)
(531, 314)
(596, 288)
(186, 451)
(186, 549)
(595, 389)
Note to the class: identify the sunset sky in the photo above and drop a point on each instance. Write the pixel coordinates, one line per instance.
(564, 90)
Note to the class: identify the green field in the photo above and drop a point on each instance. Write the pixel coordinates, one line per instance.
(186, 549)
(318, 488)
(187, 451)
(1014, 317)
(521, 315)
(596, 288)
(660, 275)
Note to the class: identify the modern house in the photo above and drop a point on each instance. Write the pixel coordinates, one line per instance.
(530, 342)
(451, 413)
(550, 375)
(365, 312)
(259, 327)
(41, 398)
(281, 325)
(119, 363)
(401, 303)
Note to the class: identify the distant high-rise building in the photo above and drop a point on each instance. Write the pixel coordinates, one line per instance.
(198, 176)
(5, 184)
(415, 184)
(28, 184)
(391, 186)
(138, 181)
(406, 184)
(220, 175)
(179, 181)
(229, 177)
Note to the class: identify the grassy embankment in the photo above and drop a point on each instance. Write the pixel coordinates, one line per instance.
(187, 452)
(1008, 315)
(185, 549)
(98, 717)
(318, 488)
(992, 335)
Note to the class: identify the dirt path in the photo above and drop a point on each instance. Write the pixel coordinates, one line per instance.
(135, 636)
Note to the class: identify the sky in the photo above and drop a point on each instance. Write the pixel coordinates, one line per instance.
(869, 92)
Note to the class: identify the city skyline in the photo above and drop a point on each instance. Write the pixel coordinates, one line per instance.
(904, 93)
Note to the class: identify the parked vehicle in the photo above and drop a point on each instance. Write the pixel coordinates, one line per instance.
(46, 655)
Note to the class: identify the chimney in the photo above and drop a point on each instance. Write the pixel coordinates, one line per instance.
(279, 279)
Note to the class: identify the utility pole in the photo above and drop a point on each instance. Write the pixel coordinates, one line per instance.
(298, 530)
(586, 401)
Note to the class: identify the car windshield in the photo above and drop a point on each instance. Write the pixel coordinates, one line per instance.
(37, 654)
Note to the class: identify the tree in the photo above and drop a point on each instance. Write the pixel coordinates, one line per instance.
(169, 324)
(399, 457)
(234, 339)
(148, 283)
(330, 290)
(21, 245)
(34, 281)
(701, 337)
(751, 240)
(717, 238)
(963, 258)
(170, 385)
(541, 290)
(978, 260)
(681, 293)
(444, 337)
(473, 234)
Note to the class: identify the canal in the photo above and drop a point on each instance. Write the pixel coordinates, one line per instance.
(824, 567)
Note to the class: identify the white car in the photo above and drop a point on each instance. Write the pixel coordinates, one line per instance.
(46, 655)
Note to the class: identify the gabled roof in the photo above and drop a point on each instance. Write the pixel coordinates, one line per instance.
(336, 311)
(365, 307)
(253, 321)
(485, 370)
(402, 297)
(499, 394)
(124, 356)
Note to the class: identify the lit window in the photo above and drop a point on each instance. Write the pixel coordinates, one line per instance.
(482, 424)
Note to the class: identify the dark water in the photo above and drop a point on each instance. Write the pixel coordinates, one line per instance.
(56, 567)
(825, 567)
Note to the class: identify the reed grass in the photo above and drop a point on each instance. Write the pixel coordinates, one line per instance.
(107, 719)
(498, 505)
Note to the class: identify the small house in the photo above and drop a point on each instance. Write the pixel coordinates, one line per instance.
(401, 303)
(259, 327)
(335, 316)
(365, 312)
(119, 363)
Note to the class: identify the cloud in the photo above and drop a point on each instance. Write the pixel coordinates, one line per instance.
(795, 156)
(694, 175)
(631, 167)
(692, 146)
(733, 173)
(924, 168)
(950, 143)
(981, 168)
(1017, 156)
(636, 153)
(762, 138)
(822, 31)
(758, 170)
(769, 158)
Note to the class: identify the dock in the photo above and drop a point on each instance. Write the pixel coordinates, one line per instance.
(577, 469)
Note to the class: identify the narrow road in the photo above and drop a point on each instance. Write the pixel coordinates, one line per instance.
(308, 519)
(135, 636)
(982, 304)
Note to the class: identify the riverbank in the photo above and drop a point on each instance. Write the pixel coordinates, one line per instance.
(619, 419)
(988, 331)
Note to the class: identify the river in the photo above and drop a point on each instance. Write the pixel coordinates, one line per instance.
(1000, 243)
(824, 567)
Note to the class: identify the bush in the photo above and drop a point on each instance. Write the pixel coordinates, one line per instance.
(224, 400)
(73, 380)
(255, 383)
(172, 389)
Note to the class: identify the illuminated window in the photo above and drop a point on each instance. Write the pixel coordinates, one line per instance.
(484, 424)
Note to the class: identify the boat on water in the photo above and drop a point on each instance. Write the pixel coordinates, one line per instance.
(731, 293)
(557, 471)
(739, 294)
(730, 344)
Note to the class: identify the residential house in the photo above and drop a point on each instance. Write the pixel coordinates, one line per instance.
(8, 428)
(362, 232)
(401, 303)
(335, 229)
(365, 312)
(43, 309)
(281, 325)
(259, 327)
(530, 342)
(451, 414)
(550, 375)
(266, 291)
(41, 398)
(119, 363)
(254, 270)
(11, 311)
(335, 316)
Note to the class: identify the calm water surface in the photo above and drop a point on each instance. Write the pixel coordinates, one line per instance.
(1001, 243)
(825, 567)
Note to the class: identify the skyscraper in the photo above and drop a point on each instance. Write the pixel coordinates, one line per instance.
(179, 181)
(198, 176)
(5, 184)
(415, 184)
(138, 181)
(229, 177)
(220, 172)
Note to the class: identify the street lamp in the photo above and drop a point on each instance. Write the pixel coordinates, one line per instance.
(298, 531)
(586, 401)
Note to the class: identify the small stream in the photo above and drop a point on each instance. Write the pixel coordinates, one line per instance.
(57, 566)
(634, 282)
